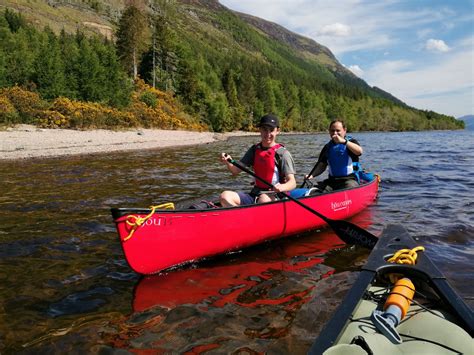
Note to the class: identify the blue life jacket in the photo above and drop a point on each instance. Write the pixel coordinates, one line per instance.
(339, 160)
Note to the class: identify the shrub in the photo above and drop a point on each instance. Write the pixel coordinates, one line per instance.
(149, 99)
(51, 119)
(86, 115)
(154, 108)
(8, 113)
(149, 107)
(26, 103)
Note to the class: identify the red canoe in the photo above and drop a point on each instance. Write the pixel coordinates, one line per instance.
(168, 238)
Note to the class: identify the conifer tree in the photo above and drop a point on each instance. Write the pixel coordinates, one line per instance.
(165, 60)
(89, 73)
(49, 67)
(230, 87)
(5, 38)
(21, 56)
(188, 87)
(116, 85)
(133, 38)
(69, 45)
(15, 20)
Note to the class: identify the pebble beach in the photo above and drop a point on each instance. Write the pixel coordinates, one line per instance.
(27, 141)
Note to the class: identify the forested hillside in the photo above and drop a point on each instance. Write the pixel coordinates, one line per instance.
(181, 64)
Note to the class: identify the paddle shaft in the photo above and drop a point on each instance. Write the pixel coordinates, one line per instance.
(351, 233)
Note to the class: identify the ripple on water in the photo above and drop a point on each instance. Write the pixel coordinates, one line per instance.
(68, 286)
(80, 302)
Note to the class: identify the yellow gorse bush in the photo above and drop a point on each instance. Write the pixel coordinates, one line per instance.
(8, 113)
(164, 113)
(6, 106)
(26, 103)
(87, 115)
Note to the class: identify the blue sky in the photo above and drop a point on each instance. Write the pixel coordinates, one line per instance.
(421, 51)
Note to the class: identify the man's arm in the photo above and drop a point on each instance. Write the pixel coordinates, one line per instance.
(290, 184)
(354, 147)
(246, 161)
(318, 169)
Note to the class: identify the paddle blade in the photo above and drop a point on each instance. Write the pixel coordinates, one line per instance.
(352, 234)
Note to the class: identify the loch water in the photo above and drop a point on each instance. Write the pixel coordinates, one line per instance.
(65, 286)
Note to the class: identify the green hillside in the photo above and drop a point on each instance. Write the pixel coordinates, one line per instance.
(225, 69)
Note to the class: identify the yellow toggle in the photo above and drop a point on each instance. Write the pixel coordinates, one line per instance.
(136, 221)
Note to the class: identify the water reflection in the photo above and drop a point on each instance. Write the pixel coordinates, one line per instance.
(236, 282)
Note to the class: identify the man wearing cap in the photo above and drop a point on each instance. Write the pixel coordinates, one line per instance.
(270, 161)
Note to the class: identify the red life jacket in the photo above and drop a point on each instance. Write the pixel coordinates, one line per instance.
(264, 164)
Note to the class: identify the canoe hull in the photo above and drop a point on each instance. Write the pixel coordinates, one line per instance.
(174, 237)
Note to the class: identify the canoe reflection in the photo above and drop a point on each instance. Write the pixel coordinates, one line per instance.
(230, 283)
(243, 280)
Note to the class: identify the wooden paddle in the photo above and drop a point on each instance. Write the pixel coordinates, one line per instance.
(346, 231)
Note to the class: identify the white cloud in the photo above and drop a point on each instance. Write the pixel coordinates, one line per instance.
(436, 45)
(344, 25)
(336, 29)
(444, 86)
(356, 70)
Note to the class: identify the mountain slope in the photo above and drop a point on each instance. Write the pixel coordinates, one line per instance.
(101, 16)
(293, 48)
(307, 48)
(468, 121)
(228, 68)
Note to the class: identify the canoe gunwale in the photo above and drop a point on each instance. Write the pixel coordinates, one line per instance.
(118, 212)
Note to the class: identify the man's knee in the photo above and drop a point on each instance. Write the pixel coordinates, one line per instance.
(263, 198)
(229, 198)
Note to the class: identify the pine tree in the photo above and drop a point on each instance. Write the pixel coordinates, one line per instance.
(5, 38)
(133, 38)
(165, 60)
(189, 89)
(15, 20)
(20, 59)
(116, 85)
(69, 45)
(49, 67)
(89, 73)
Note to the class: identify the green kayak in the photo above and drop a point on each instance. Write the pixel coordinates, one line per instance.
(392, 308)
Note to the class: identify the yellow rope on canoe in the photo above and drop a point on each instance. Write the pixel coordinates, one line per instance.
(403, 256)
(406, 256)
(136, 221)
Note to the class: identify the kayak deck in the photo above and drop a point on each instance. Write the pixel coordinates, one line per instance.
(425, 330)
(437, 322)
